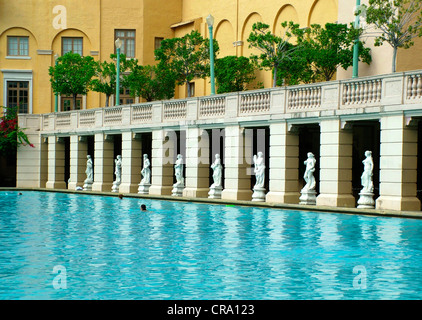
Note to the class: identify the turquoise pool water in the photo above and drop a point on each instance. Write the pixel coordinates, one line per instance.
(67, 246)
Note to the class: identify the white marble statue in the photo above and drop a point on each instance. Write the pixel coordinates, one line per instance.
(178, 170)
(118, 169)
(146, 171)
(259, 170)
(217, 173)
(308, 193)
(366, 178)
(89, 170)
(366, 199)
(309, 173)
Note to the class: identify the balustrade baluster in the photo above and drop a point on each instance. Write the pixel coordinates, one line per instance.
(418, 86)
(414, 87)
(312, 97)
(370, 91)
(301, 98)
(409, 87)
(365, 92)
(379, 88)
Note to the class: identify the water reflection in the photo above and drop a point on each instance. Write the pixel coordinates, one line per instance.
(327, 227)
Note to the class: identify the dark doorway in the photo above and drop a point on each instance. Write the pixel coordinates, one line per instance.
(309, 141)
(419, 162)
(180, 148)
(8, 169)
(146, 139)
(366, 137)
(261, 143)
(216, 145)
(90, 141)
(117, 141)
(66, 141)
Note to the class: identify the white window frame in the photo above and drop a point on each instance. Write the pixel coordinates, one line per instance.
(18, 75)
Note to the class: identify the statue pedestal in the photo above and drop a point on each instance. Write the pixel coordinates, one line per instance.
(144, 188)
(366, 200)
(258, 194)
(115, 187)
(87, 185)
(178, 190)
(308, 197)
(215, 192)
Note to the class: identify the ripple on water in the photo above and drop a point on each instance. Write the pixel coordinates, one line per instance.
(110, 250)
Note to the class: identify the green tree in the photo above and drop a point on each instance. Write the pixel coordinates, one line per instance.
(105, 76)
(275, 51)
(397, 22)
(187, 57)
(151, 82)
(297, 70)
(330, 47)
(233, 73)
(72, 75)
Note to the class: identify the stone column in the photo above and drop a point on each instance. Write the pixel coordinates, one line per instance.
(398, 165)
(336, 151)
(161, 163)
(103, 162)
(32, 163)
(55, 163)
(131, 163)
(197, 163)
(237, 178)
(284, 165)
(78, 153)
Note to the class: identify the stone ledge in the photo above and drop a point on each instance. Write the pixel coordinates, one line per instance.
(327, 209)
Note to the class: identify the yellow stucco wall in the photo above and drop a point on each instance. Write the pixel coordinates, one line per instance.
(234, 20)
(96, 21)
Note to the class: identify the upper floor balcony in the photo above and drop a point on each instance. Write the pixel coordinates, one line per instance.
(360, 98)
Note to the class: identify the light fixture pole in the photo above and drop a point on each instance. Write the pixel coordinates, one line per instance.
(118, 44)
(356, 46)
(56, 96)
(210, 22)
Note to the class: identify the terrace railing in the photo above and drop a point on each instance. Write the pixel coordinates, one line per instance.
(370, 93)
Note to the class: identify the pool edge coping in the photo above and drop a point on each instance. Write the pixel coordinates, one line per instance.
(343, 210)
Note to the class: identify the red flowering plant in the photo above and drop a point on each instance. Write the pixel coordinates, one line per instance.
(11, 136)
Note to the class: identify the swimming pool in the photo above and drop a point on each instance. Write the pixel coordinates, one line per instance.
(78, 246)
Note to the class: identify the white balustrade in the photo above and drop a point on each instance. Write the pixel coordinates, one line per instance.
(87, 118)
(256, 102)
(300, 98)
(63, 120)
(212, 107)
(141, 113)
(414, 86)
(175, 110)
(398, 88)
(362, 92)
(113, 116)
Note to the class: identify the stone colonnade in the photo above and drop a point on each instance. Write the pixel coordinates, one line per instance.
(397, 162)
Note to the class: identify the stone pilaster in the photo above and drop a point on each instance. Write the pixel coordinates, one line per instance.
(335, 185)
(32, 163)
(197, 163)
(56, 154)
(284, 165)
(131, 163)
(103, 163)
(161, 164)
(237, 184)
(78, 153)
(398, 165)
